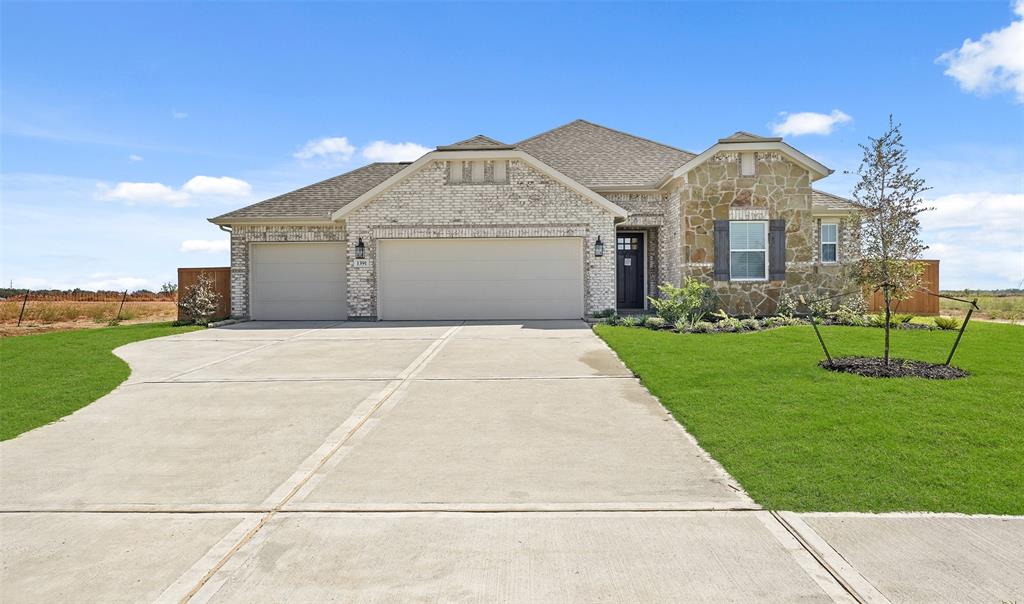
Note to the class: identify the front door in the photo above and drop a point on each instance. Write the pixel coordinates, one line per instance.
(629, 270)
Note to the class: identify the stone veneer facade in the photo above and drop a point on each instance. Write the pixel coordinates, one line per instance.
(529, 204)
(779, 188)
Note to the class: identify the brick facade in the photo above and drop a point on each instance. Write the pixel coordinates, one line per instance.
(531, 204)
(243, 235)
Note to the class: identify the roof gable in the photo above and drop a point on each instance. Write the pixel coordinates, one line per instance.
(478, 142)
(600, 157)
(746, 137)
(515, 154)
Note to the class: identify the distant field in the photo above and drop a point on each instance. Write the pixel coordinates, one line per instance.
(1001, 307)
(46, 315)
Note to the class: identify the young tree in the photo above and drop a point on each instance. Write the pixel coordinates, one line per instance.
(889, 231)
(200, 300)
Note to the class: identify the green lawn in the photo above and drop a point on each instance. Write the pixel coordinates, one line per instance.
(47, 376)
(804, 439)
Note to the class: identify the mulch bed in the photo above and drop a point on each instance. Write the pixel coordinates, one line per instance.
(876, 367)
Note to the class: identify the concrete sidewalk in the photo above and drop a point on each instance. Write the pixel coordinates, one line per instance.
(395, 462)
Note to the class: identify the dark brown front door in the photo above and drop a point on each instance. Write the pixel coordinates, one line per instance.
(629, 270)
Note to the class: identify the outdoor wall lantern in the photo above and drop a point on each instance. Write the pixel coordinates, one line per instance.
(360, 249)
(599, 247)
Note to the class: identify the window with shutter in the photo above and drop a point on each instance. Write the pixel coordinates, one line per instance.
(748, 250)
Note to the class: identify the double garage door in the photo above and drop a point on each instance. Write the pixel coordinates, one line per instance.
(423, 279)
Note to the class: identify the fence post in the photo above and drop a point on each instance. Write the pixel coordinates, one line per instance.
(23, 303)
(970, 311)
(119, 308)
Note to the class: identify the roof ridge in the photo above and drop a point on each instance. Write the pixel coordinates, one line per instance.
(603, 127)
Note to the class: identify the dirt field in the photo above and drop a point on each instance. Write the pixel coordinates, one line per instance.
(1008, 308)
(43, 316)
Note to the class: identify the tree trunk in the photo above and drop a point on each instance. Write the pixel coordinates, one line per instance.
(888, 314)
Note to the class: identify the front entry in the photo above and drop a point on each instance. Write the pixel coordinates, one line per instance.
(629, 270)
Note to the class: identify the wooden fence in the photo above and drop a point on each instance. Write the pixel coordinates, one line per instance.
(221, 276)
(921, 303)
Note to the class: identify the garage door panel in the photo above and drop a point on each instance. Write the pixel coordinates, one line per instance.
(298, 281)
(483, 271)
(481, 279)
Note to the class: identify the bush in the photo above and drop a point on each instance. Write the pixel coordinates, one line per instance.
(729, 325)
(895, 320)
(613, 320)
(772, 322)
(682, 325)
(605, 314)
(845, 315)
(750, 325)
(630, 321)
(701, 327)
(947, 322)
(200, 300)
(655, 323)
(820, 309)
(787, 305)
(677, 303)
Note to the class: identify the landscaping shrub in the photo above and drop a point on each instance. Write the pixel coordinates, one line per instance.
(701, 327)
(200, 300)
(655, 323)
(787, 305)
(771, 322)
(677, 303)
(947, 322)
(750, 324)
(613, 320)
(820, 309)
(604, 314)
(844, 315)
(895, 320)
(630, 321)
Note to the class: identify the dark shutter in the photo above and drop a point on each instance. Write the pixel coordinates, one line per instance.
(721, 250)
(777, 250)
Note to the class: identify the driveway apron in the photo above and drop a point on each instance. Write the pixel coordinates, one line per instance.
(512, 462)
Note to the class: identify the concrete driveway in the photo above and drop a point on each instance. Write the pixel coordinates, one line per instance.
(390, 462)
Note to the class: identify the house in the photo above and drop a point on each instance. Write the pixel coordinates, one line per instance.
(564, 224)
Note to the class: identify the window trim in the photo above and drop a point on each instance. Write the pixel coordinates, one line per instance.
(764, 250)
(822, 243)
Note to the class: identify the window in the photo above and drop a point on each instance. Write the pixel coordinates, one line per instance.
(829, 242)
(748, 251)
(500, 172)
(746, 164)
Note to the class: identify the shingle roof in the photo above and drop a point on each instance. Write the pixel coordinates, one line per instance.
(321, 199)
(821, 200)
(596, 156)
(478, 142)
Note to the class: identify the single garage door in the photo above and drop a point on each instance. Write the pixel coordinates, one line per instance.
(293, 281)
(480, 278)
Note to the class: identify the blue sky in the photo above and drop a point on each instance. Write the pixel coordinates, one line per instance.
(125, 126)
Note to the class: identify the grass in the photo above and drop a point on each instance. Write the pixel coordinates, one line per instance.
(801, 438)
(47, 376)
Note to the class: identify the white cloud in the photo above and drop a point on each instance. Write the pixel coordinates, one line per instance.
(209, 246)
(994, 62)
(332, 149)
(808, 122)
(178, 115)
(153, 193)
(385, 151)
(217, 186)
(133, 157)
(156, 193)
(979, 237)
